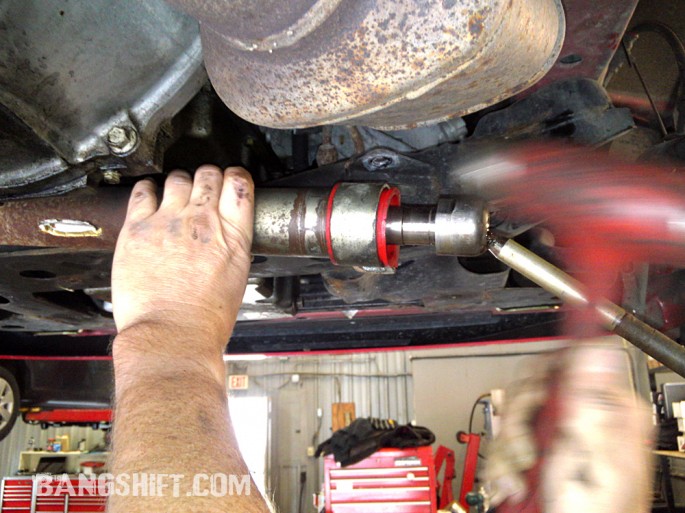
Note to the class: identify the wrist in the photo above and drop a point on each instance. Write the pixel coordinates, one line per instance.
(152, 349)
(185, 317)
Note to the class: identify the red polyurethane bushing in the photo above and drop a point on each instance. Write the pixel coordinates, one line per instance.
(329, 212)
(388, 254)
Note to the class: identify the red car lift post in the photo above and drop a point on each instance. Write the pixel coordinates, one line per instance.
(472, 441)
(442, 453)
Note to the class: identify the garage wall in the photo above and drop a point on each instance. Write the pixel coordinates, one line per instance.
(18, 439)
(378, 383)
(11, 446)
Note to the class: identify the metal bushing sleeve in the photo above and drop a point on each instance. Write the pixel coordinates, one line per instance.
(461, 226)
(352, 224)
(290, 222)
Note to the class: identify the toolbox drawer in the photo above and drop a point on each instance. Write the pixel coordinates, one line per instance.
(388, 481)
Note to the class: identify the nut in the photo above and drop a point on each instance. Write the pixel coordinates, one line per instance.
(111, 177)
(122, 140)
(326, 154)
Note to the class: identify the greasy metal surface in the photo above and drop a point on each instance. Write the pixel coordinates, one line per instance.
(24, 157)
(353, 224)
(104, 209)
(380, 63)
(461, 226)
(46, 300)
(73, 70)
(290, 222)
(28, 165)
(577, 108)
(441, 281)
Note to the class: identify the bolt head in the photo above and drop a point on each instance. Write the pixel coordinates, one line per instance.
(379, 159)
(117, 136)
(122, 140)
(380, 162)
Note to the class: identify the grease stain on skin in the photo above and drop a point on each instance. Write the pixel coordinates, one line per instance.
(201, 228)
(174, 227)
(139, 227)
(241, 189)
(207, 193)
(202, 201)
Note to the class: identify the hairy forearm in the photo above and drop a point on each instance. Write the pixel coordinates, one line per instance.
(172, 417)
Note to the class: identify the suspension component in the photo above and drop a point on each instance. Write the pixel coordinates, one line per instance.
(363, 224)
(352, 224)
(346, 223)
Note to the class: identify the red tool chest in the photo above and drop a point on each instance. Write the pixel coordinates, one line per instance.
(388, 481)
(20, 495)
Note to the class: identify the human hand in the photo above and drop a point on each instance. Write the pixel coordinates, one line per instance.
(184, 265)
(573, 438)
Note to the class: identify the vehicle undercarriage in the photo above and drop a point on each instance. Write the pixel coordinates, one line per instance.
(423, 98)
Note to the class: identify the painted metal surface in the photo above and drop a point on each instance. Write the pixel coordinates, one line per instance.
(472, 441)
(381, 63)
(593, 33)
(22, 495)
(76, 416)
(402, 480)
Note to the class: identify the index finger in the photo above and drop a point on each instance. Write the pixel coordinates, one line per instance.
(236, 207)
(143, 201)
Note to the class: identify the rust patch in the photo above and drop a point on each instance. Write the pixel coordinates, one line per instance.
(105, 210)
(476, 24)
(376, 68)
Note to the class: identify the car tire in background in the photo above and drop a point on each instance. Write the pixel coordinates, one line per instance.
(9, 402)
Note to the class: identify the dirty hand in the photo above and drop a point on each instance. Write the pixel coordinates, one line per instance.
(583, 447)
(183, 265)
